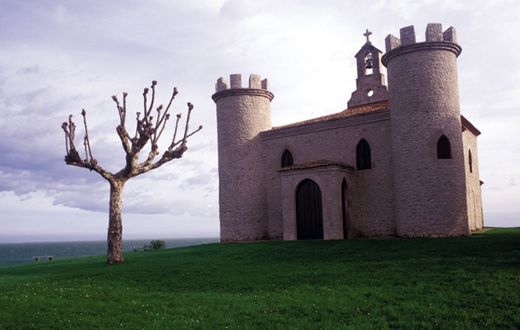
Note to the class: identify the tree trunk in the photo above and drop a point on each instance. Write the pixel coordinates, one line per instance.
(115, 225)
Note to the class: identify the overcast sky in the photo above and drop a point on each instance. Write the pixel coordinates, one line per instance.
(57, 57)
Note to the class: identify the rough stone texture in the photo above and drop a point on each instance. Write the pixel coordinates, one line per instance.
(391, 42)
(241, 115)
(221, 84)
(254, 81)
(371, 206)
(429, 193)
(450, 35)
(236, 80)
(407, 35)
(265, 84)
(434, 32)
(327, 179)
(407, 192)
(474, 194)
(370, 87)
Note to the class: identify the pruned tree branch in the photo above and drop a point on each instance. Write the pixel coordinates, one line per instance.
(121, 129)
(146, 131)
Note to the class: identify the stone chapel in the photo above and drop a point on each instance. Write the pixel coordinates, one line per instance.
(398, 161)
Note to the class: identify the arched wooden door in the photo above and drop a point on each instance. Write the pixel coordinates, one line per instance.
(309, 213)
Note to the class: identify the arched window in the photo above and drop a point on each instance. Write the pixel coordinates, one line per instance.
(443, 148)
(363, 158)
(470, 162)
(287, 159)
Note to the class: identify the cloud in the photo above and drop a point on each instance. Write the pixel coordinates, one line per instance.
(32, 141)
(60, 57)
(237, 9)
(29, 69)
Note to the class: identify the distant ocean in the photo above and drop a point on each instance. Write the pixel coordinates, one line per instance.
(19, 253)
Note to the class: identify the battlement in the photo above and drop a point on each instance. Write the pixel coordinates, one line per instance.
(255, 87)
(235, 82)
(436, 39)
(433, 33)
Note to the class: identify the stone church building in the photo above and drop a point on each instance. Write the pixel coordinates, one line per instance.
(398, 161)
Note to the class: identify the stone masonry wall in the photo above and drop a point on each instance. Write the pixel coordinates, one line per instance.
(327, 179)
(370, 191)
(241, 114)
(430, 193)
(408, 191)
(474, 194)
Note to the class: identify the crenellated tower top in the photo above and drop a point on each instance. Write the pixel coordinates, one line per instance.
(435, 38)
(256, 86)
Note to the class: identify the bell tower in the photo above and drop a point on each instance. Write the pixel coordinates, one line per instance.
(370, 82)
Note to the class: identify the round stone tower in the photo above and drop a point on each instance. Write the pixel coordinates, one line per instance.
(242, 113)
(427, 154)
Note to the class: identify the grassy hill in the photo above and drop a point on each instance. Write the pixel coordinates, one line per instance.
(466, 282)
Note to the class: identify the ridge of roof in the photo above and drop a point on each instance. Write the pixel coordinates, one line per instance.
(349, 112)
(316, 164)
(467, 125)
(362, 110)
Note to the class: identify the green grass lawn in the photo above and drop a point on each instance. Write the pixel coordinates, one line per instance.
(439, 283)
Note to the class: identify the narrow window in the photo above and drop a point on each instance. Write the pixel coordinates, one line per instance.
(470, 162)
(287, 159)
(363, 158)
(443, 148)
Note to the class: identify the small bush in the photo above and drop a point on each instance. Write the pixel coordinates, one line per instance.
(157, 244)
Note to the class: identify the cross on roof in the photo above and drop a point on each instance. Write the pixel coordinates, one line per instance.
(367, 34)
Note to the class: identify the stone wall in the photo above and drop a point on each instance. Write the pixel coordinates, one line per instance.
(370, 191)
(473, 188)
(430, 193)
(408, 191)
(241, 114)
(327, 178)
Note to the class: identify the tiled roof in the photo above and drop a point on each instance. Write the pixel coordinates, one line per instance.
(362, 110)
(466, 125)
(316, 164)
(350, 112)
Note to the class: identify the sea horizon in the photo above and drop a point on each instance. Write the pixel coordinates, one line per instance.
(103, 240)
(15, 253)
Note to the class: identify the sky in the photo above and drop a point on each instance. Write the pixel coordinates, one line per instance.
(57, 57)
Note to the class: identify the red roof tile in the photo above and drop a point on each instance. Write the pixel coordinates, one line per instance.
(316, 164)
(361, 110)
(466, 125)
(350, 112)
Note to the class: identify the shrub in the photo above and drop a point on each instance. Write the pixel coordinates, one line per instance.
(157, 244)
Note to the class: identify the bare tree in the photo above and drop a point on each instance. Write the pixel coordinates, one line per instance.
(147, 131)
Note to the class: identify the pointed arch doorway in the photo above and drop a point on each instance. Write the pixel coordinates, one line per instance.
(309, 212)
